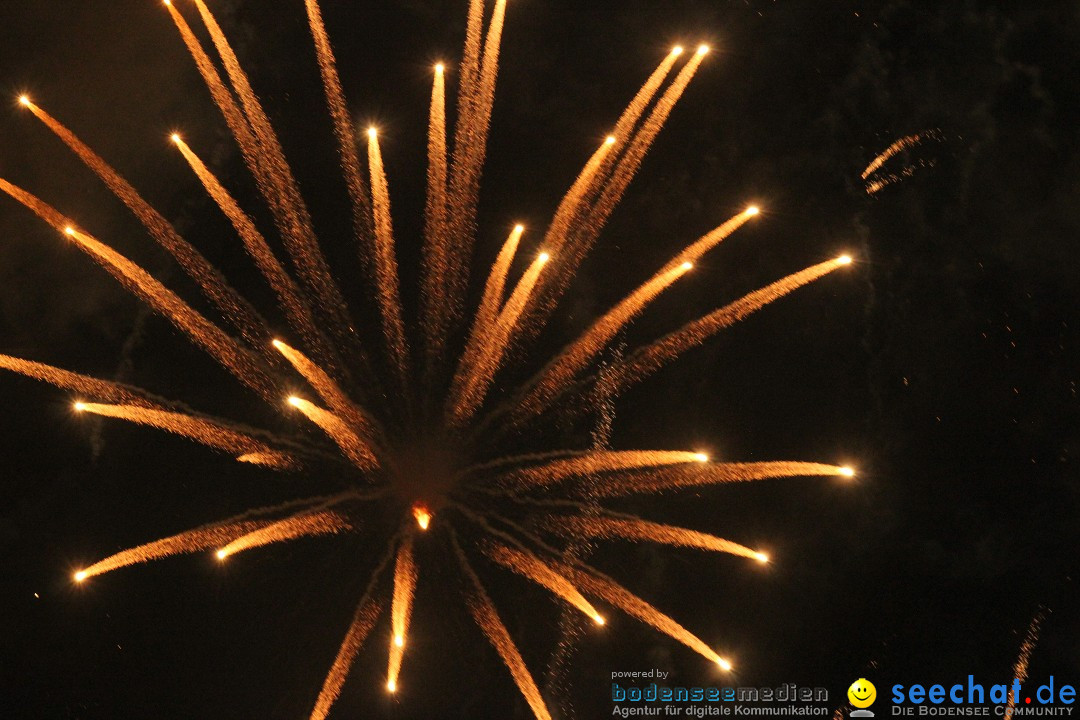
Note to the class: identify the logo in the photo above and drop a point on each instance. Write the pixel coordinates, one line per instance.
(862, 695)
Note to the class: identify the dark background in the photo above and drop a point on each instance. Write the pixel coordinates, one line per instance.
(943, 364)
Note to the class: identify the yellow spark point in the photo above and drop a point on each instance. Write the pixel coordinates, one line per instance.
(221, 554)
(701, 457)
(687, 266)
(847, 471)
(391, 686)
(677, 50)
(439, 68)
(609, 140)
(753, 210)
(294, 401)
(724, 665)
(372, 133)
(175, 137)
(423, 517)
(519, 228)
(80, 576)
(844, 259)
(80, 406)
(544, 257)
(24, 100)
(168, 2)
(702, 49)
(599, 619)
(69, 231)
(761, 558)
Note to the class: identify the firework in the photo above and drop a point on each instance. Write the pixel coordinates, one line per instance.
(445, 446)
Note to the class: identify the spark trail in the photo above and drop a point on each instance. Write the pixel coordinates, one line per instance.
(436, 240)
(535, 569)
(405, 576)
(386, 269)
(352, 446)
(487, 619)
(316, 523)
(577, 527)
(289, 295)
(207, 432)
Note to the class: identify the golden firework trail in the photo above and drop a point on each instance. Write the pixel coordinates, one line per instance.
(440, 452)
(645, 531)
(405, 576)
(1020, 667)
(316, 523)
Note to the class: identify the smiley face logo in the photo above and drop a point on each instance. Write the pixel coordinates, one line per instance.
(862, 693)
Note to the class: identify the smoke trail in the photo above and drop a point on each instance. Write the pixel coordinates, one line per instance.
(296, 309)
(529, 566)
(472, 381)
(317, 523)
(299, 236)
(405, 575)
(434, 263)
(597, 462)
(355, 449)
(386, 269)
(676, 478)
(213, 284)
(644, 531)
(648, 359)
(487, 619)
(207, 432)
(631, 604)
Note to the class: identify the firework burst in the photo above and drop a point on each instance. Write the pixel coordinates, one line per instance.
(417, 416)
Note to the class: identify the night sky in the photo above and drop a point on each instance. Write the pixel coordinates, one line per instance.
(943, 364)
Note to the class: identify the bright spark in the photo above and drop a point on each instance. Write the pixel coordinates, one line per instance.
(544, 257)
(701, 457)
(391, 686)
(844, 259)
(677, 50)
(609, 140)
(69, 231)
(724, 665)
(440, 68)
(372, 133)
(221, 554)
(761, 558)
(847, 471)
(80, 406)
(80, 576)
(753, 210)
(702, 49)
(423, 517)
(24, 100)
(687, 266)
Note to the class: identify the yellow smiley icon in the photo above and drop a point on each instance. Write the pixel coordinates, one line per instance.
(862, 693)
